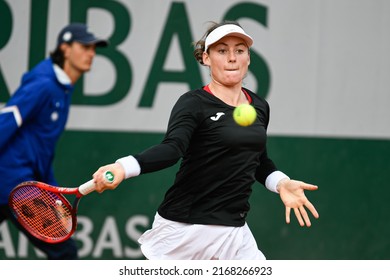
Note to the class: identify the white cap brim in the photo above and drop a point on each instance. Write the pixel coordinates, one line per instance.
(227, 30)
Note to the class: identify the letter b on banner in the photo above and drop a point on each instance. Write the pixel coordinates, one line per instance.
(79, 10)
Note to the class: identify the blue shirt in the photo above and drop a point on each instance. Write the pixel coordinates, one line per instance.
(31, 123)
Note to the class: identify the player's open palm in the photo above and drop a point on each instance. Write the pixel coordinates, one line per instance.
(292, 193)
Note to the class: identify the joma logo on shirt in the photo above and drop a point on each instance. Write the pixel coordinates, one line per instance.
(217, 116)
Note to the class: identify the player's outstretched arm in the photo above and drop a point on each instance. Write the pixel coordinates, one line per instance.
(292, 193)
(101, 184)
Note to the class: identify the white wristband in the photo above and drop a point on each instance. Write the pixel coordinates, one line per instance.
(130, 165)
(273, 179)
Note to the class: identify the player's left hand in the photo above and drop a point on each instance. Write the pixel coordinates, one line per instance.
(293, 196)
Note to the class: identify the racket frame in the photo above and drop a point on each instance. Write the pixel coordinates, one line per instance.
(79, 192)
(59, 193)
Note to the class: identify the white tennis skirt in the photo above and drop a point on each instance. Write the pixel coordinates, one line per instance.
(169, 240)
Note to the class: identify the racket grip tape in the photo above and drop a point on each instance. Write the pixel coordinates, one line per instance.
(90, 186)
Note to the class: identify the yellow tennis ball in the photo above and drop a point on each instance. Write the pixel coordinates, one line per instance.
(244, 114)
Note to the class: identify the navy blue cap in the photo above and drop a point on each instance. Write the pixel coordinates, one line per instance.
(78, 32)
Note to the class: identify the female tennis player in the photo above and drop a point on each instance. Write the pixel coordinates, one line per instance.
(203, 214)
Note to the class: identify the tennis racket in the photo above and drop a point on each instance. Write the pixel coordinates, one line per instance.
(44, 211)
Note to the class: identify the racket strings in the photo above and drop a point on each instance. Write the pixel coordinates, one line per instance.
(47, 214)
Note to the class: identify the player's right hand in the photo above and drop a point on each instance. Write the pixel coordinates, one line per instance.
(101, 184)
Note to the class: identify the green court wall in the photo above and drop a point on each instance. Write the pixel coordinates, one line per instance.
(352, 199)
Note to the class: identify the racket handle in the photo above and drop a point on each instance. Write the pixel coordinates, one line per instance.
(87, 187)
(90, 186)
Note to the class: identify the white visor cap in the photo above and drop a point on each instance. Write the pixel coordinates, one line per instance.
(227, 30)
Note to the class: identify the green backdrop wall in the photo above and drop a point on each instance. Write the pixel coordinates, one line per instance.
(352, 198)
